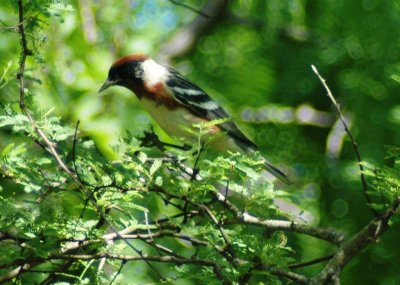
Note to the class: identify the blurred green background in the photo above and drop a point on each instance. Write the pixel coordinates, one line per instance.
(254, 58)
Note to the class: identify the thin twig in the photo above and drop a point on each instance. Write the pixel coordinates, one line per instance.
(112, 227)
(219, 226)
(205, 15)
(310, 262)
(353, 141)
(163, 259)
(299, 279)
(123, 262)
(184, 39)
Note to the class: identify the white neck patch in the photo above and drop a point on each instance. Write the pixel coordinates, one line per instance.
(153, 73)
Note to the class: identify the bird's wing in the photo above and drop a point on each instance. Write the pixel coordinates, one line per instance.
(198, 101)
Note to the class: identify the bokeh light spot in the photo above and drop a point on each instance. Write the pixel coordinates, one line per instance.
(339, 208)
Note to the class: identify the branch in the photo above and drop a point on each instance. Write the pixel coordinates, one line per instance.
(184, 39)
(25, 52)
(205, 15)
(16, 272)
(354, 245)
(324, 234)
(299, 279)
(163, 259)
(353, 141)
(310, 262)
(329, 235)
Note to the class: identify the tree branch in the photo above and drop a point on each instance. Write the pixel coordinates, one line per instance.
(163, 259)
(25, 52)
(184, 39)
(310, 262)
(300, 279)
(353, 141)
(205, 15)
(329, 235)
(354, 245)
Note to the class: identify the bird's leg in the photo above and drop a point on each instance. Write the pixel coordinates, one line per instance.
(150, 139)
(195, 253)
(185, 211)
(226, 192)
(197, 153)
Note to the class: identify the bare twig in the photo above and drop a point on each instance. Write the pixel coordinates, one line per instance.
(204, 14)
(324, 234)
(310, 262)
(184, 39)
(125, 258)
(298, 278)
(329, 235)
(162, 259)
(123, 262)
(353, 141)
(219, 226)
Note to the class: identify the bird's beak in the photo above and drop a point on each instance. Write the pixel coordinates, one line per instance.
(107, 84)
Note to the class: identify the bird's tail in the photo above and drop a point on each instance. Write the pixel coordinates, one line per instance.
(270, 168)
(276, 172)
(249, 148)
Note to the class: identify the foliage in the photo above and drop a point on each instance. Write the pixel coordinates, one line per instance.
(138, 214)
(56, 210)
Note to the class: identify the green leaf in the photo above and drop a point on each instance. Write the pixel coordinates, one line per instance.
(142, 157)
(155, 166)
(7, 150)
(158, 181)
(43, 161)
(396, 77)
(250, 173)
(13, 120)
(5, 76)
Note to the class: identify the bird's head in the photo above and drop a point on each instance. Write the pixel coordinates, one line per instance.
(127, 71)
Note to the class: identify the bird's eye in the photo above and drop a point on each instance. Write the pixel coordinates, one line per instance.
(115, 78)
(138, 72)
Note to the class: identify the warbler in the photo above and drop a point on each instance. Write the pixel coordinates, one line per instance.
(174, 101)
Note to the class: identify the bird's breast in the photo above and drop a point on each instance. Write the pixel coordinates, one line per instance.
(175, 121)
(171, 120)
(154, 94)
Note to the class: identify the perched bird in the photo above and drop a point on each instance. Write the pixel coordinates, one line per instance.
(174, 101)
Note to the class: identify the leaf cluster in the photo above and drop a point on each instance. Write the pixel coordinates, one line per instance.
(143, 193)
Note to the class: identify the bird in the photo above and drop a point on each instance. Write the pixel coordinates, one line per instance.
(176, 103)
